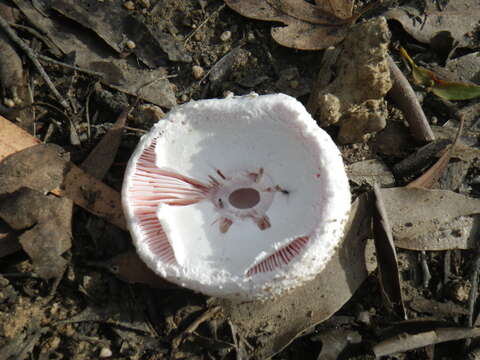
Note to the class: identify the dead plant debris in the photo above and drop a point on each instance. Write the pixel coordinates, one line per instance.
(72, 287)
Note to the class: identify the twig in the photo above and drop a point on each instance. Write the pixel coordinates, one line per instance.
(406, 100)
(209, 313)
(425, 270)
(31, 55)
(141, 131)
(148, 83)
(187, 39)
(405, 342)
(73, 67)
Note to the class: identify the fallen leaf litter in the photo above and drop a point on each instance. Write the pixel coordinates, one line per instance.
(256, 329)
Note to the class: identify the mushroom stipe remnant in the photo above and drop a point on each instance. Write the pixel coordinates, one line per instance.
(224, 196)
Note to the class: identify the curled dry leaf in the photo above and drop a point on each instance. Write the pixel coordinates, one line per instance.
(309, 27)
(458, 18)
(387, 257)
(101, 157)
(419, 218)
(314, 302)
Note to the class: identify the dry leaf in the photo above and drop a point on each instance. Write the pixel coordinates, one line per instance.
(118, 73)
(101, 157)
(458, 18)
(309, 27)
(419, 218)
(305, 36)
(83, 189)
(302, 10)
(13, 139)
(335, 341)
(343, 9)
(121, 25)
(45, 220)
(387, 257)
(92, 195)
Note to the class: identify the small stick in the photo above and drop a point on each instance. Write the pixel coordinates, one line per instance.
(31, 55)
(208, 314)
(427, 276)
(404, 96)
(73, 67)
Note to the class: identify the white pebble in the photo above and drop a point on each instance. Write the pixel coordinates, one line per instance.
(129, 5)
(105, 353)
(226, 35)
(198, 72)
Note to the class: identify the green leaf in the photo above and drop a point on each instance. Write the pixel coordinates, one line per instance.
(444, 89)
(455, 90)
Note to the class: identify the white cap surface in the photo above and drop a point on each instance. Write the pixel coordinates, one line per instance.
(244, 197)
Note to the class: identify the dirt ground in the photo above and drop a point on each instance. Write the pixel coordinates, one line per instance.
(95, 308)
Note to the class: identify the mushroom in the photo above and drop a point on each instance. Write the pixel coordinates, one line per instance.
(243, 198)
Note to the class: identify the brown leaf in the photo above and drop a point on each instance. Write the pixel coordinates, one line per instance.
(335, 341)
(458, 18)
(45, 220)
(13, 139)
(387, 257)
(343, 9)
(305, 36)
(419, 217)
(92, 195)
(302, 10)
(120, 24)
(101, 157)
(309, 34)
(83, 189)
(288, 316)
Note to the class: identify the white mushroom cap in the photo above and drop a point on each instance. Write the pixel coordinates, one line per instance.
(244, 197)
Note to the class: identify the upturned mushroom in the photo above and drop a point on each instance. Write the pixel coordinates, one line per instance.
(244, 197)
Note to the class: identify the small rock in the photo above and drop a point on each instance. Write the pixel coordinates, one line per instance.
(9, 102)
(198, 72)
(129, 5)
(294, 84)
(226, 35)
(105, 352)
(364, 317)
